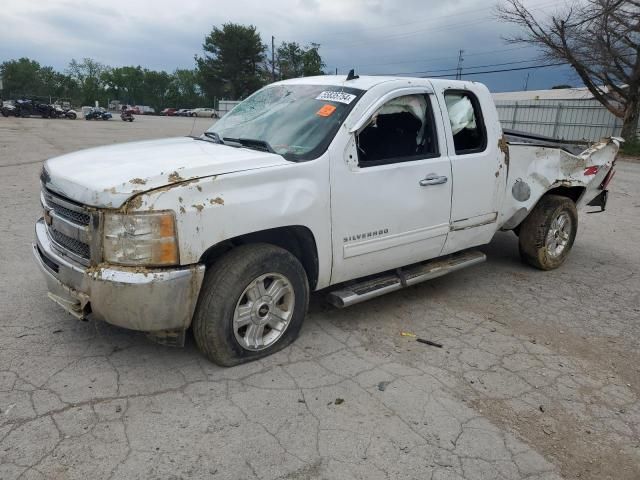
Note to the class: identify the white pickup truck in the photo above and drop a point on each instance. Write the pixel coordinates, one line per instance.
(358, 186)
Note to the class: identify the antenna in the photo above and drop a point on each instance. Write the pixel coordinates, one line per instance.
(352, 75)
(193, 125)
(459, 68)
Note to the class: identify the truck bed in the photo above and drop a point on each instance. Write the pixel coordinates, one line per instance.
(574, 147)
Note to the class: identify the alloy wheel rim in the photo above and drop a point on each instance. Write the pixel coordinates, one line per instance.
(558, 235)
(263, 312)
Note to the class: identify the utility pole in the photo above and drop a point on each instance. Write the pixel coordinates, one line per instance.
(526, 82)
(336, 70)
(273, 58)
(459, 68)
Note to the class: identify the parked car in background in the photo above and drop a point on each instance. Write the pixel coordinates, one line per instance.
(145, 110)
(183, 112)
(204, 112)
(168, 112)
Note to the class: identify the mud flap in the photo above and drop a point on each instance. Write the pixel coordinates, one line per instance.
(599, 201)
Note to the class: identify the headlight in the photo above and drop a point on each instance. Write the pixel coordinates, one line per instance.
(140, 239)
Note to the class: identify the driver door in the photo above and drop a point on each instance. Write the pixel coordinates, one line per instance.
(391, 190)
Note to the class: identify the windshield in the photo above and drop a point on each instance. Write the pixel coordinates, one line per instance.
(295, 121)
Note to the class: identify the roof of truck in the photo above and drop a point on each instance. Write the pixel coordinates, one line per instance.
(366, 82)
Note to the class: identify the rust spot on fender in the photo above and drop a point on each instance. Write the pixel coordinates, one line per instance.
(138, 181)
(182, 210)
(198, 207)
(134, 203)
(175, 177)
(503, 145)
(217, 201)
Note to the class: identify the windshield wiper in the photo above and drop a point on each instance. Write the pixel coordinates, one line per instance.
(254, 144)
(213, 136)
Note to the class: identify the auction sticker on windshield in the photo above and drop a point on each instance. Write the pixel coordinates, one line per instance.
(341, 97)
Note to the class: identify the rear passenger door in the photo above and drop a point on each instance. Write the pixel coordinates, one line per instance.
(477, 165)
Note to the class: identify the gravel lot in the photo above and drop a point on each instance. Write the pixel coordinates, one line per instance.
(539, 376)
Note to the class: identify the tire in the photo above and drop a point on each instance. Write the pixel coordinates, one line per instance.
(131, 119)
(71, 116)
(547, 234)
(227, 290)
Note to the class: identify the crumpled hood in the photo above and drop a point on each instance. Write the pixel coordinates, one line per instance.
(107, 176)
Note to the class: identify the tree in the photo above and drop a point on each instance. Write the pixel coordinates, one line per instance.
(156, 88)
(89, 75)
(125, 84)
(184, 90)
(233, 62)
(600, 40)
(313, 63)
(21, 77)
(293, 61)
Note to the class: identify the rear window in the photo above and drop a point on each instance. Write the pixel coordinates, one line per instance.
(467, 124)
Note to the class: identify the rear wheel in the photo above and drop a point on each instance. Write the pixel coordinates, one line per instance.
(546, 236)
(252, 304)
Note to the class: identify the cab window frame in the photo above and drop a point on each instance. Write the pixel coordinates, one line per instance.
(430, 128)
(479, 118)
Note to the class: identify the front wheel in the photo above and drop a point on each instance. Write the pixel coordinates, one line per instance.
(252, 304)
(547, 234)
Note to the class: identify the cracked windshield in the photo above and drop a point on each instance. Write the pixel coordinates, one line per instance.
(295, 121)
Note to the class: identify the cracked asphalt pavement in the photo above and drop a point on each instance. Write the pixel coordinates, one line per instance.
(538, 377)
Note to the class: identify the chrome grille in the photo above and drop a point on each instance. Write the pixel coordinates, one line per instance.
(69, 226)
(71, 244)
(76, 217)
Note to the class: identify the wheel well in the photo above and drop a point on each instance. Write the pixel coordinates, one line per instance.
(296, 239)
(574, 193)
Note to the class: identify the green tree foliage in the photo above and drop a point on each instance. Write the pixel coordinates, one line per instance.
(293, 60)
(156, 87)
(125, 84)
(233, 64)
(89, 76)
(184, 89)
(21, 77)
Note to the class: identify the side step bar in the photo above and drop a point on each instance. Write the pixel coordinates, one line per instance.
(387, 282)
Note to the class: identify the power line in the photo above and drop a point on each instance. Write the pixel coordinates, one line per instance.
(465, 68)
(478, 53)
(502, 70)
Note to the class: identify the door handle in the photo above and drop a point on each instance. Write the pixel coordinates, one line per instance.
(433, 179)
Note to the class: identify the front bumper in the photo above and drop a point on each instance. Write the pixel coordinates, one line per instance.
(148, 300)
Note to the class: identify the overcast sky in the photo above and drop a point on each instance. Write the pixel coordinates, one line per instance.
(416, 37)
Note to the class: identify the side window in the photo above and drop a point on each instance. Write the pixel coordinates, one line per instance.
(401, 130)
(467, 125)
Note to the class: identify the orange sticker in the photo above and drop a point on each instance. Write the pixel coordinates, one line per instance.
(326, 110)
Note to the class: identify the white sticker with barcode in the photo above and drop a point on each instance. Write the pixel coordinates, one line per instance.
(332, 96)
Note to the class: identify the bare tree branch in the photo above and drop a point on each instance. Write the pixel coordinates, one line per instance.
(599, 39)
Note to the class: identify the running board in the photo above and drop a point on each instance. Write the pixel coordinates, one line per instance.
(357, 292)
